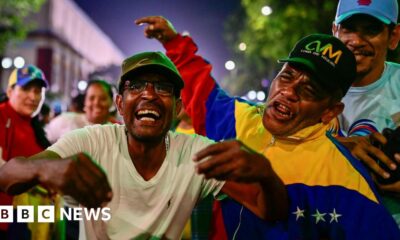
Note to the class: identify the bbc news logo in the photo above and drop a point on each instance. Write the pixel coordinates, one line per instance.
(46, 214)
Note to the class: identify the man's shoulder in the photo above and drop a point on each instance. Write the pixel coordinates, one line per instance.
(393, 66)
(392, 72)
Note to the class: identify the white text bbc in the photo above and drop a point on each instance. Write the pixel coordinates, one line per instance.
(45, 213)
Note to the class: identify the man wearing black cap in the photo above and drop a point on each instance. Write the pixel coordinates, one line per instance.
(156, 176)
(331, 195)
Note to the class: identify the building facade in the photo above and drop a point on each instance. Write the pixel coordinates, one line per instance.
(66, 44)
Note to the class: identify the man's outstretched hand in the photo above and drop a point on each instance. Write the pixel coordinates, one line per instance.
(77, 176)
(157, 27)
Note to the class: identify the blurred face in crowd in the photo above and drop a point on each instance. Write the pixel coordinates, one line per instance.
(369, 39)
(27, 99)
(296, 102)
(148, 106)
(97, 103)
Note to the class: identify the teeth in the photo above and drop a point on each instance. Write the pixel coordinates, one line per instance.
(147, 119)
(283, 110)
(143, 112)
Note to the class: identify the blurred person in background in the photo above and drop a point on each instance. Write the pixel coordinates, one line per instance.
(45, 115)
(21, 134)
(184, 123)
(77, 103)
(98, 100)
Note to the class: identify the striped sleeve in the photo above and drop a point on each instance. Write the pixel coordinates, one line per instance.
(212, 110)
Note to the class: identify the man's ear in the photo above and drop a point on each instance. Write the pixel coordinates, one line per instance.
(394, 37)
(118, 102)
(334, 29)
(332, 112)
(8, 92)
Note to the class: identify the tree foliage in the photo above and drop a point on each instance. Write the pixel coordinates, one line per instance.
(12, 14)
(269, 38)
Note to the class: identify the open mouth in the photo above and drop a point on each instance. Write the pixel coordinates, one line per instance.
(282, 111)
(97, 110)
(147, 115)
(363, 53)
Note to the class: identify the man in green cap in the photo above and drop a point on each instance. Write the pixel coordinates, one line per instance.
(156, 176)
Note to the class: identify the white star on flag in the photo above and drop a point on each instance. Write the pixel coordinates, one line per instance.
(299, 213)
(318, 216)
(334, 216)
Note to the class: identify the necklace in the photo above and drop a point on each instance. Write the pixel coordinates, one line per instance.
(166, 143)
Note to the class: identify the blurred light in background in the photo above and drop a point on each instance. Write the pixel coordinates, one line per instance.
(19, 62)
(6, 62)
(265, 83)
(260, 96)
(230, 65)
(266, 10)
(252, 95)
(242, 46)
(82, 85)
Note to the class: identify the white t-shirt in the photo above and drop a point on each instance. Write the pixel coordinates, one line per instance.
(373, 107)
(142, 209)
(64, 123)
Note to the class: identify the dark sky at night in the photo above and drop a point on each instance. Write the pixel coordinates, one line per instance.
(203, 19)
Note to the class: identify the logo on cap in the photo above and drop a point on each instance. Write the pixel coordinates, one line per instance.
(327, 52)
(364, 2)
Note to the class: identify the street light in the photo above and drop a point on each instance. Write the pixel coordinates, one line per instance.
(242, 46)
(6, 62)
(266, 10)
(19, 62)
(260, 96)
(230, 65)
(252, 95)
(82, 85)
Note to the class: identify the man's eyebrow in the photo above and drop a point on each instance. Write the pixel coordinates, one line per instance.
(289, 71)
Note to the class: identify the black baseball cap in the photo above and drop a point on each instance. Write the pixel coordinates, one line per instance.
(331, 62)
(153, 62)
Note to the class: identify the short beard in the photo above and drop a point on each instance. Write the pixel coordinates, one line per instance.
(149, 139)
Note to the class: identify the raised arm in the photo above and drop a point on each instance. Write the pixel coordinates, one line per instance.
(77, 176)
(250, 178)
(203, 99)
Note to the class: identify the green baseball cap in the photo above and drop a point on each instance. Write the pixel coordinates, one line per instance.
(150, 62)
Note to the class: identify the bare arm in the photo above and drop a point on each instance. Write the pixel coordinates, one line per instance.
(77, 176)
(250, 178)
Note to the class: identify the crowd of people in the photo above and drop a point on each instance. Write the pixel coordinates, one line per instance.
(303, 165)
